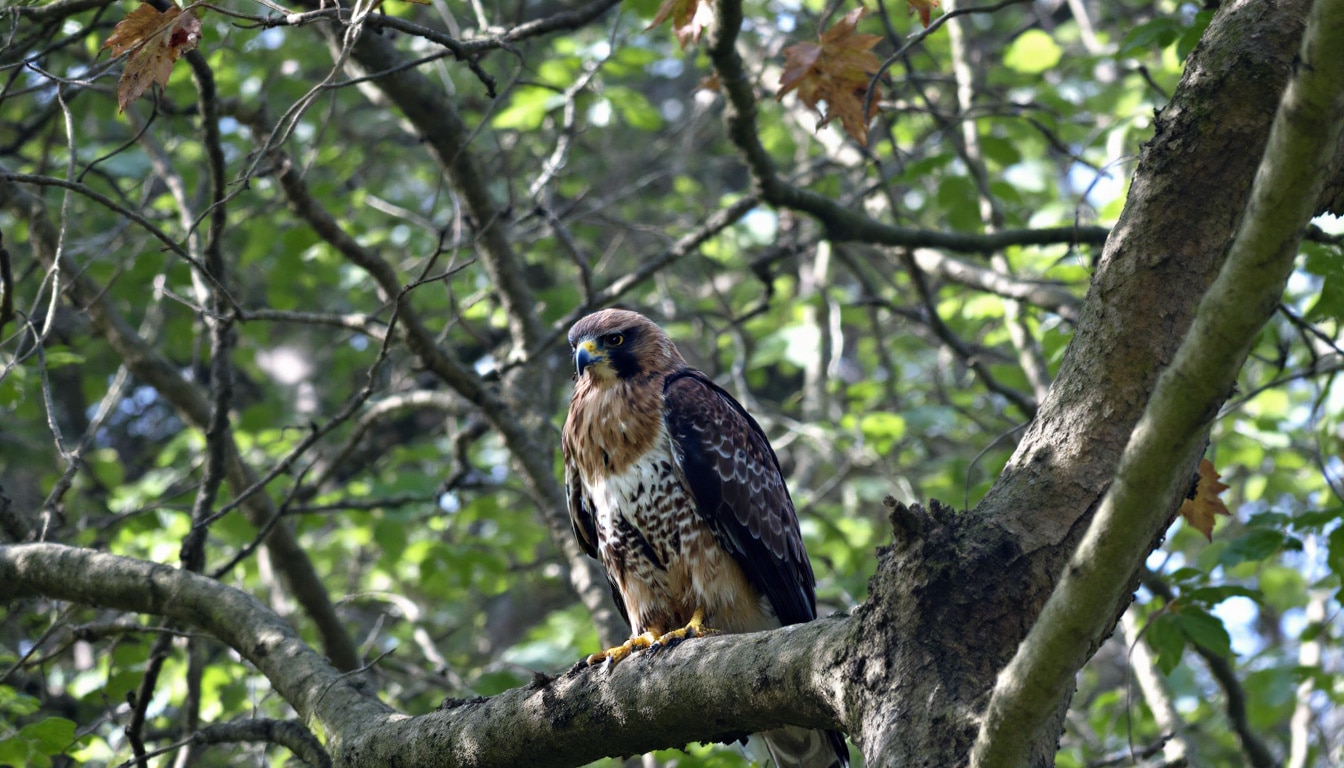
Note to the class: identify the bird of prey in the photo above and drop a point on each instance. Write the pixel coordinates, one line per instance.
(674, 487)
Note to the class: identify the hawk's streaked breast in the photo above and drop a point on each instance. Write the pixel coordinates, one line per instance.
(662, 555)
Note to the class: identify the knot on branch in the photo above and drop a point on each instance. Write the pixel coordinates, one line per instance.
(907, 525)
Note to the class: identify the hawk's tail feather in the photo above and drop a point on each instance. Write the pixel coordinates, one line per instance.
(792, 747)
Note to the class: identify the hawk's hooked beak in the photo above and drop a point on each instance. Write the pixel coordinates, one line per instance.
(587, 354)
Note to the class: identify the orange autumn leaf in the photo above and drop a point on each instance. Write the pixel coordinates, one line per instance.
(689, 19)
(1203, 505)
(154, 41)
(923, 8)
(837, 69)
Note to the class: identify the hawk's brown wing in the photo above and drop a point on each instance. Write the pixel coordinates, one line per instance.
(724, 458)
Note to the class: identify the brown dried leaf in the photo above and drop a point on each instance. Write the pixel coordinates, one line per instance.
(1203, 506)
(689, 19)
(837, 69)
(154, 41)
(923, 8)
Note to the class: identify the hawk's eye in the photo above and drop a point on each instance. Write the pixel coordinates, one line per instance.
(614, 339)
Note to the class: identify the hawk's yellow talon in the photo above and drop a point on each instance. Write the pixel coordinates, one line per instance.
(694, 628)
(617, 655)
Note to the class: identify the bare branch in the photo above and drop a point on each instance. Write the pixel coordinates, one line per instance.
(290, 734)
(1052, 297)
(436, 118)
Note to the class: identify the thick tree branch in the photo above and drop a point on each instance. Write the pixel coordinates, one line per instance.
(707, 689)
(1301, 146)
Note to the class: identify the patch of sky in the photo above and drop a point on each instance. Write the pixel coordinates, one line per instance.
(762, 224)
(1099, 187)
(1187, 12)
(1329, 223)
(448, 502)
(270, 39)
(671, 109)
(1239, 615)
(1025, 176)
(599, 114)
(669, 68)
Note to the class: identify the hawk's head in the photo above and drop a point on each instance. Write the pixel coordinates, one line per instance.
(616, 344)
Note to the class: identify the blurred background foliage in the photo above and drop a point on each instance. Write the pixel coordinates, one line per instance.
(602, 149)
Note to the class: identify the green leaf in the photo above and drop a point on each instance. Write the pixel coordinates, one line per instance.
(1330, 304)
(1317, 519)
(959, 202)
(635, 109)
(1256, 544)
(1158, 33)
(15, 750)
(1032, 52)
(1335, 554)
(61, 356)
(51, 736)
(527, 109)
(1167, 640)
(1205, 630)
(1270, 696)
(882, 429)
(1217, 594)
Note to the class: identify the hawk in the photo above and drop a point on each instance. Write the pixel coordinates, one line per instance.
(674, 487)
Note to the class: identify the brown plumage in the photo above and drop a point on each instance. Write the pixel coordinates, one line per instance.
(675, 488)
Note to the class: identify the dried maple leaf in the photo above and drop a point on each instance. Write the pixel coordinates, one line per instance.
(923, 8)
(154, 41)
(1203, 505)
(837, 69)
(689, 19)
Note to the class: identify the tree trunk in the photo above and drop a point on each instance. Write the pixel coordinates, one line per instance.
(964, 589)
